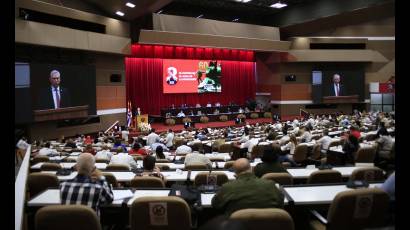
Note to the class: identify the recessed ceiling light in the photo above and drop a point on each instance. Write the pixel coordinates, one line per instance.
(119, 13)
(279, 5)
(129, 4)
(245, 1)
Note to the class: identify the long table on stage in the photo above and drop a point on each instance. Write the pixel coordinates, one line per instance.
(214, 117)
(204, 110)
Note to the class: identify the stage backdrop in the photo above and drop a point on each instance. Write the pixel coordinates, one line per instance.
(145, 88)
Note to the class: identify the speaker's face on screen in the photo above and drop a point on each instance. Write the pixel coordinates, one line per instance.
(336, 78)
(55, 79)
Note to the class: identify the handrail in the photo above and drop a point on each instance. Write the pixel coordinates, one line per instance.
(20, 191)
(115, 123)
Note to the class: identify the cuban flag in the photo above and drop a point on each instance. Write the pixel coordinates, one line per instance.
(129, 114)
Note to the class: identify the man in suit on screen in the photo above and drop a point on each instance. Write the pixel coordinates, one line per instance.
(336, 89)
(55, 96)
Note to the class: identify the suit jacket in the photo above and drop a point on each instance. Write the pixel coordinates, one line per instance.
(332, 90)
(45, 98)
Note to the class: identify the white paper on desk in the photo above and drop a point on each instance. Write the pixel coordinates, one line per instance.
(142, 193)
(206, 199)
(122, 194)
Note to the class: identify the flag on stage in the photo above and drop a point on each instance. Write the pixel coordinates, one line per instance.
(129, 114)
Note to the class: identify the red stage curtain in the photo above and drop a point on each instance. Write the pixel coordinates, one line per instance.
(144, 84)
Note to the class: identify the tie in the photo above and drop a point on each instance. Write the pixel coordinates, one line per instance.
(57, 98)
(337, 89)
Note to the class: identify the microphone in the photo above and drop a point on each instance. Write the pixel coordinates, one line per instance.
(188, 178)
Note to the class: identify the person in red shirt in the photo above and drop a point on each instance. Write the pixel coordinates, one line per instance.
(355, 132)
(138, 149)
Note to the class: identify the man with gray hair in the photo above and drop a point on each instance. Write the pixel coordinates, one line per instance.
(89, 187)
(54, 97)
(336, 88)
(247, 191)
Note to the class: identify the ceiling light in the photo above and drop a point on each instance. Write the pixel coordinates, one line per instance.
(200, 16)
(279, 5)
(245, 1)
(119, 13)
(129, 4)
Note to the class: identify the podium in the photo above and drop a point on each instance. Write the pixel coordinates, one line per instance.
(341, 99)
(61, 113)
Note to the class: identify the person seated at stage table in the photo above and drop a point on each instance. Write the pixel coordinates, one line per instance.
(218, 104)
(247, 191)
(216, 112)
(191, 113)
(181, 114)
(270, 163)
(152, 137)
(104, 153)
(240, 110)
(197, 105)
(199, 113)
(209, 104)
(88, 188)
(195, 158)
(150, 169)
(124, 158)
(247, 110)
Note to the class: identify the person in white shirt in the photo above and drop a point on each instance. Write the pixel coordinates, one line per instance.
(197, 158)
(22, 144)
(324, 141)
(104, 153)
(217, 104)
(209, 104)
(198, 105)
(291, 146)
(306, 136)
(250, 144)
(183, 149)
(170, 138)
(124, 158)
(152, 138)
(47, 151)
(124, 135)
(181, 114)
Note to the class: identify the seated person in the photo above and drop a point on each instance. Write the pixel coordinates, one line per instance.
(355, 131)
(181, 114)
(218, 104)
(124, 158)
(70, 143)
(183, 149)
(240, 110)
(350, 147)
(306, 135)
(104, 153)
(247, 191)
(118, 143)
(191, 113)
(247, 110)
(159, 152)
(199, 113)
(156, 144)
(197, 158)
(209, 104)
(150, 169)
(270, 162)
(291, 146)
(384, 144)
(47, 151)
(216, 111)
(198, 105)
(324, 141)
(89, 149)
(88, 188)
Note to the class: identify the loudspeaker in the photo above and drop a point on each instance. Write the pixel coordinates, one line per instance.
(290, 77)
(115, 78)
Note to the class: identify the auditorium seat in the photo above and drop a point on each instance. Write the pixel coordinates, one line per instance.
(146, 182)
(175, 215)
(163, 167)
(202, 178)
(50, 167)
(354, 209)
(118, 167)
(300, 154)
(264, 219)
(67, 217)
(102, 160)
(257, 151)
(196, 166)
(280, 178)
(228, 164)
(39, 182)
(369, 174)
(316, 152)
(110, 179)
(39, 158)
(365, 155)
(225, 148)
(324, 176)
(68, 159)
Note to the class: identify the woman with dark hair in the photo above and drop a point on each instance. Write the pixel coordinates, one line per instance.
(350, 147)
(150, 169)
(270, 162)
(137, 149)
(159, 152)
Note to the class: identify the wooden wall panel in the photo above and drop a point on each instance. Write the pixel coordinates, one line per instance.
(296, 92)
(110, 97)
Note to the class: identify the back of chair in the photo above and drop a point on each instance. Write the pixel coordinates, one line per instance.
(102, 160)
(147, 182)
(196, 166)
(204, 178)
(369, 174)
(50, 167)
(67, 217)
(40, 158)
(163, 167)
(365, 155)
(162, 161)
(266, 218)
(300, 154)
(228, 164)
(39, 182)
(257, 151)
(358, 209)
(225, 148)
(160, 213)
(316, 152)
(334, 143)
(325, 176)
(118, 167)
(197, 146)
(286, 164)
(111, 179)
(68, 159)
(178, 142)
(280, 178)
